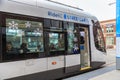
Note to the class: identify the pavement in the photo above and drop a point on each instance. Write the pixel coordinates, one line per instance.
(112, 75)
(111, 56)
(93, 74)
(108, 72)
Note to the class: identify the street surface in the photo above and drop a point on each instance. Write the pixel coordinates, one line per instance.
(111, 56)
(109, 66)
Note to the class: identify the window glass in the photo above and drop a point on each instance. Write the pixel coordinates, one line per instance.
(82, 36)
(109, 40)
(109, 28)
(98, 37)
(47, 23)
(55, 23)
(24, 36)
(56, 41)
(72, 38)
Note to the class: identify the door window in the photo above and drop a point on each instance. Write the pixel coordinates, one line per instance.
(72, 38)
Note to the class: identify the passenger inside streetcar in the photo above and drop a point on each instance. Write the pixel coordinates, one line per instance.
(52, 46)
(39, 49)
(10, 49)
(23, 48)
(11, 52)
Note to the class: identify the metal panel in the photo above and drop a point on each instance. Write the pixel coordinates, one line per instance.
(72, 63)
(55, 62)
(53, 6)
(18, 8)
(12, 69)
(30, 2)
(35, 65)
(21, 68)
(41, 8)
(72, 60)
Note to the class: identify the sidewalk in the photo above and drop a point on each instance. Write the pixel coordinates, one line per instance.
(112, 75)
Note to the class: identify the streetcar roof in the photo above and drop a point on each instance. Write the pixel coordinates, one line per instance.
(39, 7)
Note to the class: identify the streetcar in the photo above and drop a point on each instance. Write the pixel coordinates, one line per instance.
(47, 40)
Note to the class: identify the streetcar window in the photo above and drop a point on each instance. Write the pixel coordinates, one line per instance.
(72, 38)
(82, 36)
(56, 24)
(21, 31)
(47, 23)
(82, 41)
(53, 24)
(98, 37)
(56, 41)
(24, 34)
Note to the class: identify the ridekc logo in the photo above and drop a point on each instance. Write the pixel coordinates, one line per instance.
(75, 18)
(54, 14)
(68, 17)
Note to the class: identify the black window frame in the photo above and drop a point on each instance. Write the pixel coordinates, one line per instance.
(20, 17)
(51, 26)
(56, 52)
(1, 25)
(52, 29)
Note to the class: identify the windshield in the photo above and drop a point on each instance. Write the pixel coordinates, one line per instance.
(98, 37)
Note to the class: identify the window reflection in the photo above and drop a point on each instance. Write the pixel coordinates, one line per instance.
(27, 33)
(72, 38)
(82, 37)
(98, 37)
(56, 41)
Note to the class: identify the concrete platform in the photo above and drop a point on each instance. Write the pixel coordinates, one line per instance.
(112, 75)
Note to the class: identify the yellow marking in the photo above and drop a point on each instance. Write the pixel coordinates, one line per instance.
(85, 68)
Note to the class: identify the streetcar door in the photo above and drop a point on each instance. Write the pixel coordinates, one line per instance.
(72, 57)
(84, 48)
